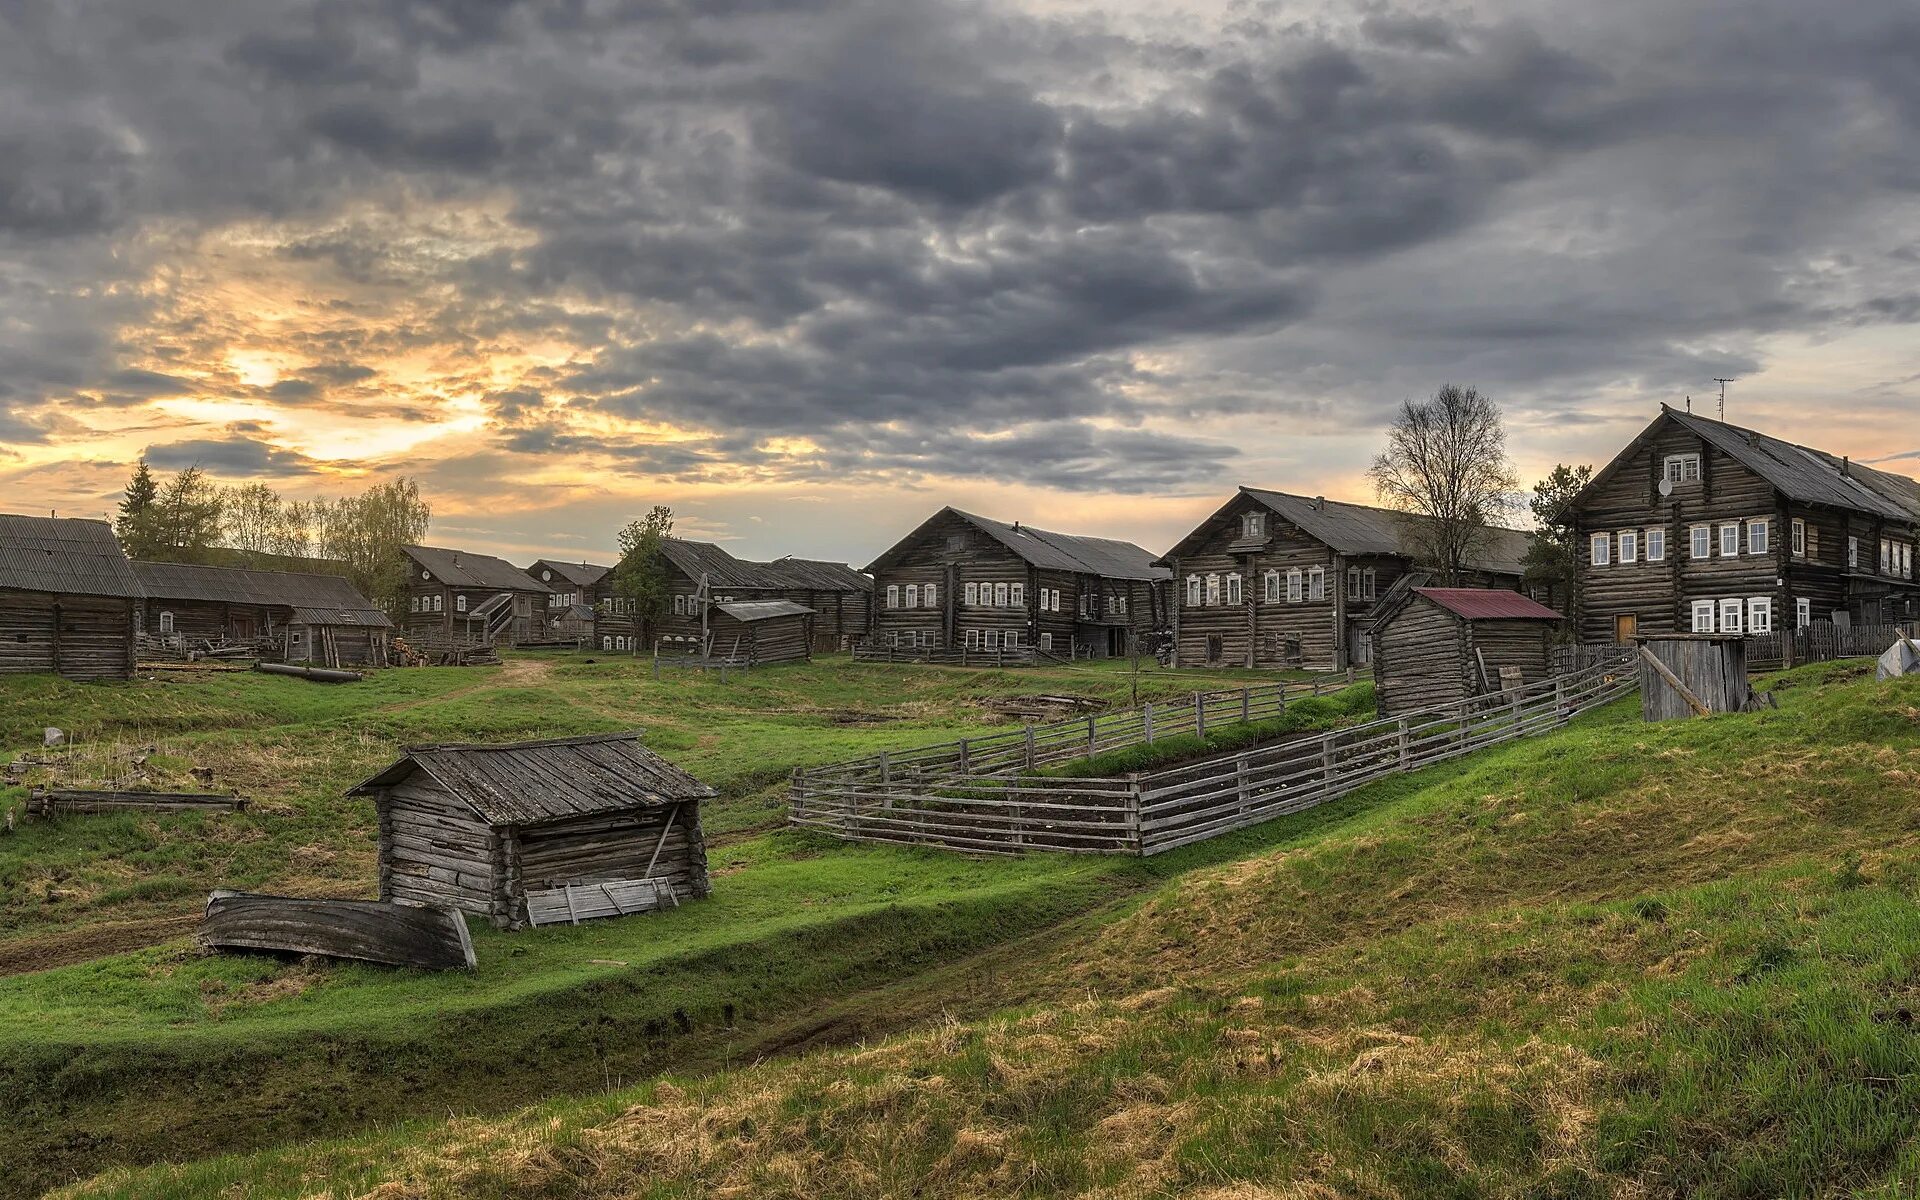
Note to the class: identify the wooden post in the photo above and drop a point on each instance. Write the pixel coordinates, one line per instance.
(1246, 704)
(1200, 714)
(1092, 732)
(1029, 739)
(1405, 738)
(1240, 781)
(1132, 815)
(1327, 769)
(1146, 720)
(963, 757)
(1665, 672)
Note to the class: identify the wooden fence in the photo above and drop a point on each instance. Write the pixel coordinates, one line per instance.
(1822, 641)
(987, 801)
(957, 656)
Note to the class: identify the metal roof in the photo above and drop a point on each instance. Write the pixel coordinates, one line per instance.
(722, 569)
(761, 610)
(464, 568)
(580, 574)
(819, 576)
(1488, 604)
(1366, 529)
(1808, 475)
(239, 585)
(540, 782)
(1049, 550)
(67, 556)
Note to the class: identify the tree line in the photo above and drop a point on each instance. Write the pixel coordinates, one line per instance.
(190, 518)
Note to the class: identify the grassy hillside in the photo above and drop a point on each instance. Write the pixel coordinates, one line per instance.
(1618, 961)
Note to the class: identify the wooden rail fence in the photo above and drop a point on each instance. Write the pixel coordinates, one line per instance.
(986, 800)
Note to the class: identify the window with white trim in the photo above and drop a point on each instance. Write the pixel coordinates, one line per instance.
(1759, 535)
(1629, 545)
(1213, 589)
(1369, 584)
(460, 602)
(999, 595)
(1683, 468)
(1799, 538)
(1656, 545)
(1046, 641)
(1353, 583)
(970, 639)
(1730, 540)
(1853, 551)
(930, 596)
(1017, 595)
(1317, 583)
(414, 606)
(166, 622)
(1760, 614)
(1703, 611)
(1296, 586)
(439, 603)
(992, 639)
(893, 597)
(973, 595)
(1270, 587)
(606, 643)
(1253, 524)
(1702, 537)
(1802, 611)
(1233, 588)
(1193, 591)
(1730, 610)
(1600, 549)
(1013, 639)
(913, 595)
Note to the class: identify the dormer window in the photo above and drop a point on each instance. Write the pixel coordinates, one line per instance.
(1683, 468)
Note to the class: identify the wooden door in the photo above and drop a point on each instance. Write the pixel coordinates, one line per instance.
(1625, 626)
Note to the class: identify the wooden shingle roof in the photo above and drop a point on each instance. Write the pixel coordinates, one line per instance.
(316, 599)
(579, 574)
(64, 555)
(721, 568)
(464, 568)
(557, 779)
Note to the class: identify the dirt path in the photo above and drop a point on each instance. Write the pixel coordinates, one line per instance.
(41, 952)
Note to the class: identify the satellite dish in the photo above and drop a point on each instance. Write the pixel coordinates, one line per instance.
(1666, 487)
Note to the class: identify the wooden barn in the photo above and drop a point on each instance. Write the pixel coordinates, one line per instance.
(1434, 647)
(68, 599)
(1702, 527)
(964, 582)
(841, 598)
(1274, 580)
(457, 597)
(279, 614)
(540, 832)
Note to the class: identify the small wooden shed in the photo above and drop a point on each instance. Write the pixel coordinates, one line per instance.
(540, 832)
(1693, 675)
(1435, 647)
(761, 631)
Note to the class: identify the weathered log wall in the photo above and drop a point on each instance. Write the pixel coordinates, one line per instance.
(80, 637)
(435, 850)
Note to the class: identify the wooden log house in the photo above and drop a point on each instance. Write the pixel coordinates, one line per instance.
(1435, 647)
(1273, 580)
(294, 617)
(699, 576)
(840, 597)
(760, 632)
(573, 607)
(68, 598)
(507, 832)
(457, 597)
(1703, 527)
(964, 581)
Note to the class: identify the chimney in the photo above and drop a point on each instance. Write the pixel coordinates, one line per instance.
(1319, 503)
(1846, 466)
(1016, 527)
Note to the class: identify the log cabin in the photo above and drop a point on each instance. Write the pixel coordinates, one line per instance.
(457, 597)
(1273, 580)
(760, 632)
(961, 581)
(501, 831)
(1699, 526)
(68, 599)
(1435, 647)
(700, 575)
(840, 597)
(573, 607)
(293, 617)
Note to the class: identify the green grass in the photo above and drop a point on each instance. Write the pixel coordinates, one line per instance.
(1310, 714)
(1620, 960)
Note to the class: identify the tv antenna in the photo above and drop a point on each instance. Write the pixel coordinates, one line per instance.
(1723, 395)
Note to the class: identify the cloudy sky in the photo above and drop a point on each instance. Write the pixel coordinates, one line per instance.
(807, 269)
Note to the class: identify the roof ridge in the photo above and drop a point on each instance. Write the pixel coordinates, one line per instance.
(578, 739)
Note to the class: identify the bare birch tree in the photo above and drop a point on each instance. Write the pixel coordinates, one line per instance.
(1446, 468)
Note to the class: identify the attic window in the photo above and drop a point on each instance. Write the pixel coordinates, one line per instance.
(425, 574)
(1252, 524)
(1683, 468)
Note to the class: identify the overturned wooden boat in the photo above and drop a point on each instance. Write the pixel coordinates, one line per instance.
(376, 931)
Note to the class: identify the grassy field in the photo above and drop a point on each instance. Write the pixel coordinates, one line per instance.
(1619, 961)
(162, 1051)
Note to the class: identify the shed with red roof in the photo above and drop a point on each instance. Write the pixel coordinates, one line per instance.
(1436, 647)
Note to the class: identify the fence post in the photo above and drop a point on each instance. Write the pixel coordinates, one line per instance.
(1200, 714)
(1138, 836)
(1246, 704)
(1326, 766)
(1029, 747)
(1280, 694)
(1146, 720)
(963, 757)
(1093, 737)
(1240, 782)
(1405, 748)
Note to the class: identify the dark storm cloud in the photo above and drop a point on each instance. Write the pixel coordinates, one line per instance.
(953, 238)
(234, 455)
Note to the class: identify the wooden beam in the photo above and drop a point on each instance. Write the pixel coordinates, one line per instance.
(1673, 681)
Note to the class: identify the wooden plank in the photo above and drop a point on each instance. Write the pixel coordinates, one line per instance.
(1673, 681)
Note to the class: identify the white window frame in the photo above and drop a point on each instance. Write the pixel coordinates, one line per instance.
(1017, 595)
(1657, 545)
(913, 595)
(1760, 614)
(1236, 594)
(1732, 615)
(1296, 586)
(1762, 544)
(893, 596)
(990, 640)
(1600, 549)
(1011, 639)
(1213, 590)
(1353, 583)
(970, 638)
(1853, 550)
(166, 622)
(1700, 540)
(973, 595)
(999, 595)
(1270, 586)
(930, 596)
(1730, 528)
(1629, 540)
(1252, 524)
(1194, 594)
(1046, 641)
(440, 602)
(1799, 537)
(606, 643)
(1369, 584)
(1316, 583)
(414, 606)
(1802, 612)
(1688, 468)
(1705, 616)
(460, 603)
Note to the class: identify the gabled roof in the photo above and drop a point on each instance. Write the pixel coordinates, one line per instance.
(1046, 549)
(539, 782)
(1353, 529)
(580, 574)
(761, 610)
(1487, 604)
(464, 568)
(722, 569)
(65, 555)
(1799, 472)
(328, 599)
(819, 576)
